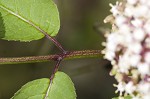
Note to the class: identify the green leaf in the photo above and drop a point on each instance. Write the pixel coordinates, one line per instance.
(27, 20)
(61, 88)
(126, 97)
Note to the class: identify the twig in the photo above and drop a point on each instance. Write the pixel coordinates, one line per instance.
(67, 56)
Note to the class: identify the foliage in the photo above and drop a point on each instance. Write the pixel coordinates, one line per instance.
(27, 20)
(61, 88)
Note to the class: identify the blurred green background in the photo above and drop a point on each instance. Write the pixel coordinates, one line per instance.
(80, 20)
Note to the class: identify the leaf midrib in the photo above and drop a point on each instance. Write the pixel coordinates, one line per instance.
(23, 19)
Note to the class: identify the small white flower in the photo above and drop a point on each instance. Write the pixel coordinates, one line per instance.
(132, 1)
(140, 11)
(124, 28)
(147, 57)
(120, 88)
(110, 55)
(114, 9)
(144, 68)
(134, 60)
(139, 34)
(144, 87)
(146, 26)
(130, 88)
(129, 11)
(137, 23)
(123, 66)
(120, 20)
(135, 47)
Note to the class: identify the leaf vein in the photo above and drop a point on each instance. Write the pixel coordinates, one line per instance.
(24, 19)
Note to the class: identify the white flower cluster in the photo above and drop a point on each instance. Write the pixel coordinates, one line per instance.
(128, 47)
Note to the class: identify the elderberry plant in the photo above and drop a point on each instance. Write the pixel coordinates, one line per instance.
(126, 46)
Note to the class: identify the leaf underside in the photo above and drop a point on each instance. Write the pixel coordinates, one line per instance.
(27, 20)
(61, 88)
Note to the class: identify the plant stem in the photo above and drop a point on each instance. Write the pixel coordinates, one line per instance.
(56, 43)
(69, 55)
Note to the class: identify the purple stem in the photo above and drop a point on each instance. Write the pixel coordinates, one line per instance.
(56, 43)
